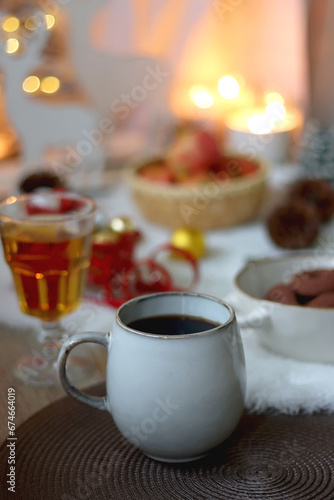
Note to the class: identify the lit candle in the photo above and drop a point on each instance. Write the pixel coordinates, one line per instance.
(208, 103)
(262, 131)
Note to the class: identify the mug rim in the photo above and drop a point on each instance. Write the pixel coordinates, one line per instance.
(140, 298)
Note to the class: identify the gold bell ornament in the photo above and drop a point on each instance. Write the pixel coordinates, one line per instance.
(190, 240)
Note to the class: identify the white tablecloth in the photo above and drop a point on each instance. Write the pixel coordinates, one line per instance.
(273, 382)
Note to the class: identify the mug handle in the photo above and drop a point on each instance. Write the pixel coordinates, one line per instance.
(101, 403)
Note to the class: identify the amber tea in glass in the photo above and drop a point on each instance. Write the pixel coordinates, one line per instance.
(49, 276)
(46, 240)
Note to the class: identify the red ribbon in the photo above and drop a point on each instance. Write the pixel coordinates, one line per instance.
(146, 276)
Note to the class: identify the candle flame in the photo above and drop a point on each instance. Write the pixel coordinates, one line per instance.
(275, 110)
(228, 87)
(273, 97)
(259, 124)
(266, 123)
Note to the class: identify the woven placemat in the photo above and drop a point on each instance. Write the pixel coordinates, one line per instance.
(69, 451)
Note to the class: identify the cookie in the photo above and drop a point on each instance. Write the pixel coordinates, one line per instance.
(283, 294)
(324, 300)
(312, 283)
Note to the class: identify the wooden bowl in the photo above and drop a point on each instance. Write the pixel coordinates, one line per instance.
(207, 205)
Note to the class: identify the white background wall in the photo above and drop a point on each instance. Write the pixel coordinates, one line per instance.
(263, 40)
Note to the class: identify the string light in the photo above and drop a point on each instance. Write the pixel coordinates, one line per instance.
(31, 84)
(50, 21)
(12, 45)
(10, 24)
(33, 23)
(50, 84)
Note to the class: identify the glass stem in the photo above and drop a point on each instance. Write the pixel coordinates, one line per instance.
(52, 331)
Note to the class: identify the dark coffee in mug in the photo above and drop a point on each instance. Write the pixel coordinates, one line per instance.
(172, 325)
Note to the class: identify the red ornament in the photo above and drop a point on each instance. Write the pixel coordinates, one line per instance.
(111, 257)
(122, 279)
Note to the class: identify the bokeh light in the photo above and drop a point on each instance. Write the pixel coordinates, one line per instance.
(33, 23)
(259, 124)
(31, 84)
(275, 110)
(50, 84)
(50, 21)
(12, 45)
(228, 87)
(10, 24)
(201, 97)
(273, 97)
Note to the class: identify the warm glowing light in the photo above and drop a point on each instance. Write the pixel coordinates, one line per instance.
(31, 84)
(203, 99)
(273, 97)
(50, 21)
(257, 121)
(122, 225)
(6, 144)
(196, 89)
(275, 110)
(228, 87)
(32, 23)
(39, 276)
(259, 124)
(10, 24)
(12, 45)
(265, 123)
(50, 84)
(11, 200)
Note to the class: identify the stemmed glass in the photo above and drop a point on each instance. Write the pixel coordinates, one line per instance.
(46, 238)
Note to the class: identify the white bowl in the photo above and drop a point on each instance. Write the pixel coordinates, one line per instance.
(300, 332)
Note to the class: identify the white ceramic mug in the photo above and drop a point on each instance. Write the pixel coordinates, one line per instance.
(176, 397)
